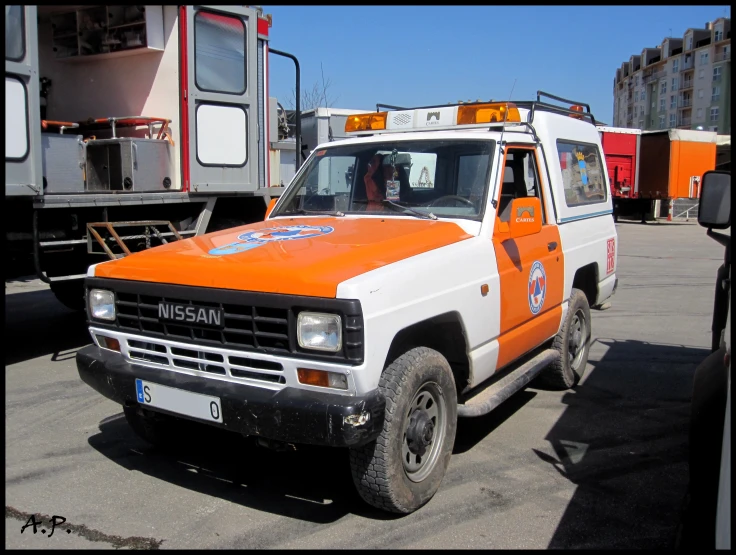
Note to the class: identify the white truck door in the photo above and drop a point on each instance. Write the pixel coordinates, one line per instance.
(23, 172)
(220, 99)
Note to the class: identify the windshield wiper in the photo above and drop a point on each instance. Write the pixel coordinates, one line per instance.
(320, 212)
(425, 215)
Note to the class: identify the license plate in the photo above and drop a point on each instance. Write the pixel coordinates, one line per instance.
(204, 407)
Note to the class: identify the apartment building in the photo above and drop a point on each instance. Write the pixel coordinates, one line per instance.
(684, 83)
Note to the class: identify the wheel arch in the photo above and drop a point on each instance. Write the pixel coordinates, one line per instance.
(444, 333)
(586, 280)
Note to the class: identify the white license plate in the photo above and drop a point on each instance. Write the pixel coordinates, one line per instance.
(196, 405)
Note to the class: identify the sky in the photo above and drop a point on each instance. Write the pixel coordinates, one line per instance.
(424, 55)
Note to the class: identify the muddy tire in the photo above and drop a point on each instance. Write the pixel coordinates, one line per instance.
(402, 469)
(573, 344)
(160, 430)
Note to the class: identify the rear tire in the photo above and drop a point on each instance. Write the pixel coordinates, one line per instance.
(402, 469)
(573, 344)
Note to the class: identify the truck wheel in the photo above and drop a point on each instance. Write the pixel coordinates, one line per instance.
(160, 430)
(70, 294)
(573, 344)
(403, 468)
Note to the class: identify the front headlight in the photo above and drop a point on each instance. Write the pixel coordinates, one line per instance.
(318, 331)
(102, 304)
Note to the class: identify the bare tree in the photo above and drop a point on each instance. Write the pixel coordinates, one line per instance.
(318, 96)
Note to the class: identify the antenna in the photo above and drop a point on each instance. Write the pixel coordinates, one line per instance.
(494, 202)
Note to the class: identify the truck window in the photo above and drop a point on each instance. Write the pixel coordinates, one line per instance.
(15, 47)
(448, 178)
(219, 49)
(520, 179)
(581, 173)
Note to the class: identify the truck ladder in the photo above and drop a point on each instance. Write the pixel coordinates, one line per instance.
(148, 225)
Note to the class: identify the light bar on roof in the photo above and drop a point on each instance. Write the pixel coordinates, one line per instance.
(428, 118)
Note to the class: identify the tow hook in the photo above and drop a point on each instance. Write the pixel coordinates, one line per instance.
(275, 445)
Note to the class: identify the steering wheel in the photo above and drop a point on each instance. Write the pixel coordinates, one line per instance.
(452, 197)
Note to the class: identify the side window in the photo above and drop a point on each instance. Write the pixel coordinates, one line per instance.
(520, 179)
(581, 173)
(219, 50)
(15, 47)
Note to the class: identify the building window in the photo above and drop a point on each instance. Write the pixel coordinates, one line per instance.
(716, 94)
(663, 87)
(675, 65)
(644, 95)
(700, 114)
(674, 84)
(717, 73)
(701, 73)
(700, 93)
(673, 120)
(641, 123)
(714, 114)
(637, 81)
(661, 105)
(689, 43)
(703, 58)
(673, 101)
(661, 122)
(719, 35)
(713, 128)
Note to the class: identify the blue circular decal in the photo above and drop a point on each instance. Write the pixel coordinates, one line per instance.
(253, 239)
(537, 287)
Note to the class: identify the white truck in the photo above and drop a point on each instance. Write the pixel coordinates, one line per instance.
(129, 126)
(423, 270)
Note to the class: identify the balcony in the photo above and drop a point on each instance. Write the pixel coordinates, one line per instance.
(685, 103)
(688, 64)
(687, 84)
(654, 76)
(722, 57)
(717, 78)
(684, 122)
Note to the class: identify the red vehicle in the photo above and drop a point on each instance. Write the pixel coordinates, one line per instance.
(621, 147)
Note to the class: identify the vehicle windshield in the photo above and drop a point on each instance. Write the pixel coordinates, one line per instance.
(424, 179)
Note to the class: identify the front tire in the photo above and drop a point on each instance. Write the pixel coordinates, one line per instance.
(402, 469)
(573, 344)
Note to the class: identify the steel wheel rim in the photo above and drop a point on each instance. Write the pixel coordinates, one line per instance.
(428, 399)
(576, 340)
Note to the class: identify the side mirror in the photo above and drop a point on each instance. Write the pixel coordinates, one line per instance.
(714, 207)
(526, 217)
(269, 209)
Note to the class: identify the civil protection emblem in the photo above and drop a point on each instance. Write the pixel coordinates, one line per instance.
(257, 238)
(537, 287)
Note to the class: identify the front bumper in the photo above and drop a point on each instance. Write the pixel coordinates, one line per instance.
(290, 415)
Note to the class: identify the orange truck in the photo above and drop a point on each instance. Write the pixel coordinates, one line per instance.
(673, 162)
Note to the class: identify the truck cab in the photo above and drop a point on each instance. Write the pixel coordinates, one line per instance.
(422, 270)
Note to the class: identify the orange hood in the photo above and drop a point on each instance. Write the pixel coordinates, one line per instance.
(278, 256)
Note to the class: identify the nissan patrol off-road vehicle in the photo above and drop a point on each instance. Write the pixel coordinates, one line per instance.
(423, 270)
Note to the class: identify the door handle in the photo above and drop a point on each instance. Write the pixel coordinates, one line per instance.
(552, 246)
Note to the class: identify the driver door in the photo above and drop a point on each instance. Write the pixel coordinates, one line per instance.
(531, 267)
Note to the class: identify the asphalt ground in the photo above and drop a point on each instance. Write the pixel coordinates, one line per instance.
(602, 466)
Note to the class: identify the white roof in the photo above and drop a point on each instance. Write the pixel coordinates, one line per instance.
(687, 135)
(622, 130)
(327, 112)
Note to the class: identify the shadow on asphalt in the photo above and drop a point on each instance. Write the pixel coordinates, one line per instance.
(308, 483)
(623, 440)
(36, 325)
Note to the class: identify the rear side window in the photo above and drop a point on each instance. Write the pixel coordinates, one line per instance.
(582, 174)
